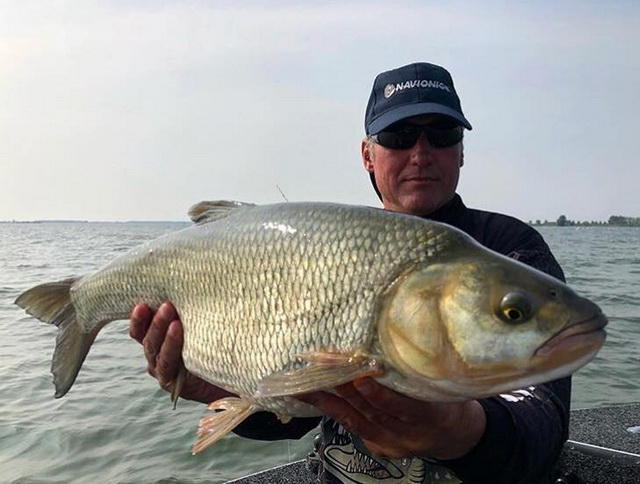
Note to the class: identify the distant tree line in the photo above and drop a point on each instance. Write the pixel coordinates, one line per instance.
(614, 221)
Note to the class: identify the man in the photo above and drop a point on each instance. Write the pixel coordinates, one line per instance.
(413, 152)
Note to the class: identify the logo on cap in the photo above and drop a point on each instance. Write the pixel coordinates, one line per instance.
(391, 89)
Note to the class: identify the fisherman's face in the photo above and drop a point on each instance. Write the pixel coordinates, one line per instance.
(417, 180)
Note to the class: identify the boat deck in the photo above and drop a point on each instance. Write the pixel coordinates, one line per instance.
(603, 448)
(604, 445)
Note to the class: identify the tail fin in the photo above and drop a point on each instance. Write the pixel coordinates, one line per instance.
(51, 303)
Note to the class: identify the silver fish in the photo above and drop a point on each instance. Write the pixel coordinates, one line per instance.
(280, 300)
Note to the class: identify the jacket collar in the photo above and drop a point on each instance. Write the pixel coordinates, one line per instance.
(453, 211)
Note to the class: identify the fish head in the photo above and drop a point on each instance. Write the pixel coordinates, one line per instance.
(484, 324)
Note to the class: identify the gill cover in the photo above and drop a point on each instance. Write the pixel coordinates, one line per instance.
(410, 328)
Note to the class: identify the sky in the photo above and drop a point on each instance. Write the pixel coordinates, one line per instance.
(135, 110)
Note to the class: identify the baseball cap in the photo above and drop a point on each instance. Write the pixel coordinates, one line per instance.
(411, 90)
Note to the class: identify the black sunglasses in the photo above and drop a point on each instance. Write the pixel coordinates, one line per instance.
(402, 136)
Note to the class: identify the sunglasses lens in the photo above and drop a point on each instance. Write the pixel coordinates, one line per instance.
(443, 137)
(404, 136)
(398, 138)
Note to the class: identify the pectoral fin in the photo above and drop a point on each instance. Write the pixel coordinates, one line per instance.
(323, 370)
(175, 386)
(216, 426)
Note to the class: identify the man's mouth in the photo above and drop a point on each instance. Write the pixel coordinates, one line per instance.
(422, 179)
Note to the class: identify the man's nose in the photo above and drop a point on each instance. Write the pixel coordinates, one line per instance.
(422, 150)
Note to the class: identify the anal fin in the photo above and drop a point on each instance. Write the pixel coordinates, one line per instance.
(323, 370)
(216, 426)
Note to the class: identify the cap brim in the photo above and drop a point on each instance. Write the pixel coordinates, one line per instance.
(393, 116)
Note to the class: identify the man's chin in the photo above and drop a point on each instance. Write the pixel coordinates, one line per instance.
(418, 200)
(419, 206)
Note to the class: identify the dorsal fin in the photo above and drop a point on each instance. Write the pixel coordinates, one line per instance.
(204, 212)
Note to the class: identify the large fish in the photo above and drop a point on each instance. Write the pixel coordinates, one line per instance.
(279, 300)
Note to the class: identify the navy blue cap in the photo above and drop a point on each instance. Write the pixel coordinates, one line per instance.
(411, 90)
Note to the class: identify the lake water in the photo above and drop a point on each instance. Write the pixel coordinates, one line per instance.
(116, 425)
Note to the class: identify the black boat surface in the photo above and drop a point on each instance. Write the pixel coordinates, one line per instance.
(603, 448)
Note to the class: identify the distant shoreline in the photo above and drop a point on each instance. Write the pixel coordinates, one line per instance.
(617, 222)
(582, 224)
(614, 221)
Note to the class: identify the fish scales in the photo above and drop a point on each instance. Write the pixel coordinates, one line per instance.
(321, 298)
(312, 287)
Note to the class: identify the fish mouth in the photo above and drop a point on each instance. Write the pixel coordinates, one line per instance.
(587, 333)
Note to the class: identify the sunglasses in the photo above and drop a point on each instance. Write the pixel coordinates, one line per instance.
(402, 136)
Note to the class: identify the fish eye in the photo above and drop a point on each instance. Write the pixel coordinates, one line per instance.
(515, 308)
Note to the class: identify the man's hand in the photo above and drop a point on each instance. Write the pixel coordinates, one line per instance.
(395, 426)
(161, 336)
(391, 424)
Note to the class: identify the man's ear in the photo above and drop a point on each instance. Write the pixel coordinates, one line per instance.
(366, 156)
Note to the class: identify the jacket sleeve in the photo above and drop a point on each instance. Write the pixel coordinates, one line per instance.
(524, 436)
(526, 429)
(266, 426)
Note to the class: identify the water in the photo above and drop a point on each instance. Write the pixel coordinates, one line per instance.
(603, 264)
(116, 425)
